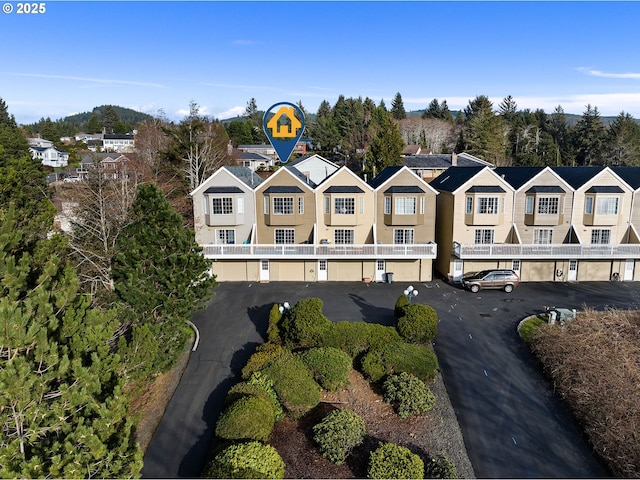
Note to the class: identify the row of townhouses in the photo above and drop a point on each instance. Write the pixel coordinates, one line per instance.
(315, 221)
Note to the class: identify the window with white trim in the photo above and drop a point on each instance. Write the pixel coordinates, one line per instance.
(483, 236)
(225, 236)
(588, 205)
(528, 206)
(240, 204)
(542, 236)
(327, 204)
(361, 205)
(301, 205)
(421, 205)
(601, 236)
(222, 205)
(405, 206)
(284, 236)
(387, 205)
(343, 236)
(344, 206)
(283, 205)
(548, 205)
(488, 205)
(607, 206)
(403, 235)
(469, 205)
(266, 205)
(206, 205)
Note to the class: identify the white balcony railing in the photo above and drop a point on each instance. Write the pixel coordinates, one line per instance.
(311, 251)
(548, 251)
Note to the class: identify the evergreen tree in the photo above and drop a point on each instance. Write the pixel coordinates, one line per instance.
(109, 118)
(62, 410)
(508, 109)
(386, 146)
(433, 110)
(623, 141)
(397, 107)
(485, 134)
(590, 135)
(559, 129)
(93, 125)
(161, 274)
(324, 130)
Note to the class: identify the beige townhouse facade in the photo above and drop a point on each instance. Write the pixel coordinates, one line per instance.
(562, 223)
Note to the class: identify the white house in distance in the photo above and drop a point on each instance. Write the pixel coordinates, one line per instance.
(44, 151)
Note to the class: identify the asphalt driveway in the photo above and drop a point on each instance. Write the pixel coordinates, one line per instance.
(513, 424)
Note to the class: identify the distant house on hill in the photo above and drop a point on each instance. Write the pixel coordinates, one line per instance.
(429, 166)
(50, 155)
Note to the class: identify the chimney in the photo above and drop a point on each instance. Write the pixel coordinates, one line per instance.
(454, 159)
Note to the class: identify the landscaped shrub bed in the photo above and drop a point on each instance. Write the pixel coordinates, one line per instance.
(338, 433)
(246, 460)
(394, 461)
(297, 390)
(329, 366)
(418, 323)
(397, 357)
(355, 338)
(304, 325)
(263, 354)
(248, 418)
(408, 394)
(593, 364)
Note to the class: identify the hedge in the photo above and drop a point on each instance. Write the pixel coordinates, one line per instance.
(297, 390)
(355, 338)
(258, 385)
(246, 460)
(248, 418)
(418, 323)
(304, 324)
(398, 357)
(394, 461)
(441, 467)
(408, 395)
(329, 366)
(273, 330)
(263, 354)
(338, 433)
(401, 303)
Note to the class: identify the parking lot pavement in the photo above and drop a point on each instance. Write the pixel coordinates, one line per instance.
(513, 424)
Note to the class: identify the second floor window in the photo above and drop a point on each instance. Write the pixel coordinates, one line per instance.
(542, 236)
(284, 235)
(488, 205)
(406, 206)
(387, 205)
(343, 236)
(225, 237)
(607, 206)
(483, 236)
(345, 206)
(601, 236)
(222, 206)
(548, 206)
(283, 206)
(403, 235)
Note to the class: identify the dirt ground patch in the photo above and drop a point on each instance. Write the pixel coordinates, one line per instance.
(428, 435)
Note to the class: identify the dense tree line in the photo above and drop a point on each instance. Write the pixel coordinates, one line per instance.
(71, 355)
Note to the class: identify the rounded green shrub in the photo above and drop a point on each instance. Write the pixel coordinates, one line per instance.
(441, 467)
(304, 325)
(297, 391)
(263, 354)
(273, 330)
(401, 303)
(338, 433)
(355, 338)
(258, 385)
(246, 460)
(397, 357)
(248, 418)
(408, 395)
(329, 366)
(418, 324)
(394, 461)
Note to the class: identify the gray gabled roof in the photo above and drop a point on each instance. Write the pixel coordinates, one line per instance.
(384, 175)
(344, 189)
(605, 189)
(300, 175)
(631, 175)
(283, 189)
(546, 189)
(441, 160)
(454, 177)
(486, 189)
(219, 190)
(404, 189)
(577, 176)
(245, 175)
(518, 176)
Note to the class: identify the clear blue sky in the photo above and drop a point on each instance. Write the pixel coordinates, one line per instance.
(160, 55)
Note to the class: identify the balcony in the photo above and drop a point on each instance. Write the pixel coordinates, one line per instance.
(568, 251)
(328, 251)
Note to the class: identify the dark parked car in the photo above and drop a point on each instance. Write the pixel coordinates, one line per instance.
(505, 280)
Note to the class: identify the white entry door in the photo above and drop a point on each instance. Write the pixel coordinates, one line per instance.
(264, 270)
(628, 270)
(458, 270)
(515, 266)
(572, 275)
(322, 270)
(380, 268)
